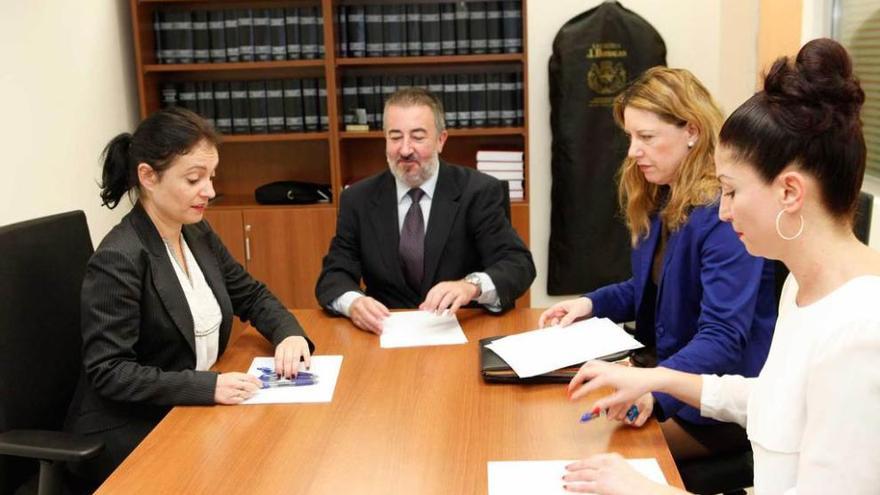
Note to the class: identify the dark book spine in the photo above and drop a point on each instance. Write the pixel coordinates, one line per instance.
(447, 29)
(158, 33)
(323, 116)
(357, 31)
(278, 34)
(420, 81)
(435, 85)
(413, 30)
(217, 31)
(477, 27)
(511, 26)
(389, 86)
(477, 99)
(392, 30)
(463, 100)
(342, 31)
(494, 36)
(365, 98)
(293, 106)
(258, 110)
(462, 33)
(291, 30)
(493, 100)
(275, 105)
(230, 22)
(349, 100)
(310, 104)
(187, 96)
(205, 97)
(319, 27)
(201, 37)
(404, 81)
(430, 29)
(308, 31)
(450, 101)
(184, 38)
(238, 96)
(376, 104)
(246, 35)
(262, 35)
(169, 95)
(508, 99)
(222, 107)
(520, 112)
(373, 18)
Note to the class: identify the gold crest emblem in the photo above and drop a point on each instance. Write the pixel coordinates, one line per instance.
(606, 77)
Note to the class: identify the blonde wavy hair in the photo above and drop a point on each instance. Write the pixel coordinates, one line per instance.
(679, 98)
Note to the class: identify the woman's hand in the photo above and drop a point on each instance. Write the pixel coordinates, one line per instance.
(630, 385)
(235, 387)
(288, 355)
(609, 474)
(565, 312)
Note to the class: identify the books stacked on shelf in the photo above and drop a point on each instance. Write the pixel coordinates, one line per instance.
(254, 107)
(469, 100)
(238, 35)
(460, 28)
(506, 166)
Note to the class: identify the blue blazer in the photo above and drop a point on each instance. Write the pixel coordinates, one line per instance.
(715, 307)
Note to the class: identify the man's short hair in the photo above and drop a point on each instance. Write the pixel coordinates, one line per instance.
(413, 96)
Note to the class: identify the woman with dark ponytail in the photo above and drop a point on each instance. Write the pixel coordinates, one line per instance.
(160, 292)
(790, 162)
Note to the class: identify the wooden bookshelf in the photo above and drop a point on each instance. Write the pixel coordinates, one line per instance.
(282, 245)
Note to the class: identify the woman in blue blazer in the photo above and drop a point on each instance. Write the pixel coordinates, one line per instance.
(160, 292)
(696, 295)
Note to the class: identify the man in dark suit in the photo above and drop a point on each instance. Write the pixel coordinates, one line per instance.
(424, 233)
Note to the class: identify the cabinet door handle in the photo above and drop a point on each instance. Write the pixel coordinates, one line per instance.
(247, 242)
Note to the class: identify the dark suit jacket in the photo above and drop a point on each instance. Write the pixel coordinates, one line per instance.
(138, 338)
(467, 231)
(715, 307)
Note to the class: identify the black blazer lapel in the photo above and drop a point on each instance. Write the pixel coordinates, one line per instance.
(165, 280)
(207, 261)
(383, 217)
(444, 207)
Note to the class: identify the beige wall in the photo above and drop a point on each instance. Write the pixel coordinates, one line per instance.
(66, 87)
(716, 40)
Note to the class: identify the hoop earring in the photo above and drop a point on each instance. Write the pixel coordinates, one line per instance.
(779, 231)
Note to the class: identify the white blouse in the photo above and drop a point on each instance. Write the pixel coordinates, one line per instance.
(203, 306)
(813, 414)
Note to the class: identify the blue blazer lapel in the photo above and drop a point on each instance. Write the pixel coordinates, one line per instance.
(165, 280)
(444, 207)
(211, 270)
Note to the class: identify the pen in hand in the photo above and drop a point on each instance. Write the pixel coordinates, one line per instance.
(631, 414)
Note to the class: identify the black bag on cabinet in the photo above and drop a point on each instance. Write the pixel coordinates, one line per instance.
(292, 192)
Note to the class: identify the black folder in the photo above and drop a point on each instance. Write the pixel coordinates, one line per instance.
(349, 99)
(393, 28)
(291, 32)
(275, 105)
(413, 17)
(310, 104)
(230, 23)
(186, 96)
(477, 27)
(450, 102)
(217, 35)
(293, 106)
(277, 34)
(447, 29)
(494, 36)
(477, 99)
(462, 31)
(357, 31)
(462, 100)
(493, 99)
(511, 26)
(222, 107)
(205, 98)
(258, 109)
(373, 17)
(201, 37)
(308, 32)
(246, 35)
(430, 29)
(238, 96)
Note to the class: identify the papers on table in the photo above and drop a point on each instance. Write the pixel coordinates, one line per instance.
(545, 477)
(418, 328)
(541, 351)
(326, 368)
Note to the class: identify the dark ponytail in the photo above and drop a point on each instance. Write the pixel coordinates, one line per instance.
(808, 114)
(157, 141)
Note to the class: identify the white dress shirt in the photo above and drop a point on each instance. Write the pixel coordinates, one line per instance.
(488, 295)
(813, 414)
(203, 306)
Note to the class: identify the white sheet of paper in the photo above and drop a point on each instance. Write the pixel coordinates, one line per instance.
(541, 351)
(545, 477)
(419, 328)
(326, 368)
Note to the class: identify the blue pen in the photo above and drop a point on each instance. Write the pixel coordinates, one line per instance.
(631, 414)
(293, 382)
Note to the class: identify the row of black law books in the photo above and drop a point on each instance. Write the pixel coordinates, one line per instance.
(238, 35)
(255, 107)
(460, 28)
(469, 100)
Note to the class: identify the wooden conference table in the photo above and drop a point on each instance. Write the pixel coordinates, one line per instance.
(415, 420)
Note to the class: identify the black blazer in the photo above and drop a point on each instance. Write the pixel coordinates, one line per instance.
(468, 231)
(138, 338)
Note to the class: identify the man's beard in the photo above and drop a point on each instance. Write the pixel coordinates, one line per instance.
(426, 171)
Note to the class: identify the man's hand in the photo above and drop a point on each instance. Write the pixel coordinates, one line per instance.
(367, 314)
(449, 296)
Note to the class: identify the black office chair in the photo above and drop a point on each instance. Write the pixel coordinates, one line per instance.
(732, 473)
(42, 263)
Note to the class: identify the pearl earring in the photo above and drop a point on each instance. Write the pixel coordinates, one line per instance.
(690, 144)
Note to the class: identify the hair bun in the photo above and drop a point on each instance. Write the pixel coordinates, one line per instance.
(817, 92)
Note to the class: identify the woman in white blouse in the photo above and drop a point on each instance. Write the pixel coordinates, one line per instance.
(790, 162)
